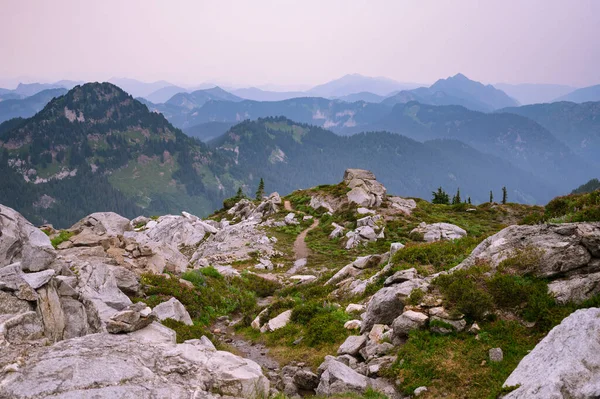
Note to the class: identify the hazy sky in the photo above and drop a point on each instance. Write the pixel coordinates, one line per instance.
(301, 42)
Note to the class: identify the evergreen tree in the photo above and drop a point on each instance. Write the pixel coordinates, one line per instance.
(440, 197)
(469, 200)
(504, 195)
(456, 198)
(240, 193)
(491, 196)
(260, 193)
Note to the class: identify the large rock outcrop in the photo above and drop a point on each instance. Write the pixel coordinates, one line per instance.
(365, 189)
(439, 231)
(234, 242)
(21, 242)
(565, 364)
(568, 253)
(104, 366)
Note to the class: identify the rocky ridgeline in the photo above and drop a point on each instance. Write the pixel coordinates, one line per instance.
(68, 324)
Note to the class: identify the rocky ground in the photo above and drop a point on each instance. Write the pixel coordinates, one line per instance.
(334, 290)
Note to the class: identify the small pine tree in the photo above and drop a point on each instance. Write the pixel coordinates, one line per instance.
(240, 193)
(504, 195)
(440, 197)
(456, 198)
(491, 196)
(469, 200)
(260, 193)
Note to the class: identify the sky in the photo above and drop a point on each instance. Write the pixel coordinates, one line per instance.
(298, 44)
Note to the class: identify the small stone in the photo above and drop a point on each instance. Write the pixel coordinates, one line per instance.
(353, 307)
(496, 355)
(353, 325)
(420, 390)
(475, 329)
(352, 345)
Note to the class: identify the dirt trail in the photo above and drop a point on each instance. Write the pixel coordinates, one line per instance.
(301, 250)
(249, 350)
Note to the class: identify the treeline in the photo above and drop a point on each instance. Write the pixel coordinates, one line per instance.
(443, 198)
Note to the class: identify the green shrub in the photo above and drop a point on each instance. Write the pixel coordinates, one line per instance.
(326, 328)
(305, 312)
(464, 291)
(63, 236)
(262, 287)
(210, 271)
(416, 296)
(442, 255)
(207, 300)
(509, 291)
(185, 332)
(195, 277)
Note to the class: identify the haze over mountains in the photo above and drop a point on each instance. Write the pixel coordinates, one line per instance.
(110, 151)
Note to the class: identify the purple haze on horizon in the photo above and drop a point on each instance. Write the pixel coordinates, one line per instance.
(292, 43)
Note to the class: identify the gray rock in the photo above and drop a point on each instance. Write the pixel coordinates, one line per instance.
(22, 242)
(51, 310)
(177, 230)
(317, 202)
(420, 390)
(365, 190)
(127, 280)
(451, 325)
(10, 304)
(338, 231)
(139, 220)
(439, 231)
(278, 322)
(560, 247)
(575, 289)
(132, 318)
(373, 349)
(367, 233)
(20, 328)
(120, 366)
(395, 247)
(406, 206)
(564, 364)
(401, 276)
(12, 276)
(496, 355)
(36, 280)
(405, 323)
(233, 243)
(388, 303)
(337, 378)
(155, 333)
(173, 309)
(97, 284)
(352, 345)
(103, 223)
(306, 380)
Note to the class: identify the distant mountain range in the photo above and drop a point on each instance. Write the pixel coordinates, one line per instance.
(28, 106)
(456, 90)
(253, 93)
(591, 93)
(97, 148)
(356, 83)
(198, 98)
(529, 93)
(577, 125)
